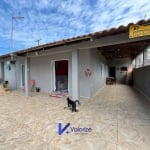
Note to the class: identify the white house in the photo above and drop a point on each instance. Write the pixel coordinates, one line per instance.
(81, 64)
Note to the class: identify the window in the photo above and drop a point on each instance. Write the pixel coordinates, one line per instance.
(139, 60)
(148, 56)
(133, 62)
(143, 59)
(123, 68)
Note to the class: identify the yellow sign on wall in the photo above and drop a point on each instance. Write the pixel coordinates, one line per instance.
(139, 30)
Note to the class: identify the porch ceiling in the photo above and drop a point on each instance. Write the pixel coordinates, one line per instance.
(127, 50)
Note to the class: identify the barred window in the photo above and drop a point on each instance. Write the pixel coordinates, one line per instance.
(148, 56)
(148, 53)
(139, 60)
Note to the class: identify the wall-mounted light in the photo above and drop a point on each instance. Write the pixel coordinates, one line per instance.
(8, 65)
(8, 62)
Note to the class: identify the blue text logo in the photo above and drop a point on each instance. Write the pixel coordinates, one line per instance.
(75, 130)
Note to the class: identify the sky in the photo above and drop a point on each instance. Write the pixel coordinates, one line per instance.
(54, 20)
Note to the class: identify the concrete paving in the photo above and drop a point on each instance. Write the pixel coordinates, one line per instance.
(117, 118)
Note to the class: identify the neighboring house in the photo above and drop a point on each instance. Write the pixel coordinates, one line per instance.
(78, 65)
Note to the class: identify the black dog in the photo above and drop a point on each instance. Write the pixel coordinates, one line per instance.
(72, 104)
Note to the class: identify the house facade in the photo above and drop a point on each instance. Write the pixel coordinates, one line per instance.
(86, 69)
(78, 65)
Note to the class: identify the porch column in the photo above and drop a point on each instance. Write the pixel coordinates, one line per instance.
(27, 76)
(75, 78)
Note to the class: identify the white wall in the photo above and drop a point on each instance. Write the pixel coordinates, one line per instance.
(99, 70)
(13, 74)
(118, 63)
(84, 82)
(41, 70)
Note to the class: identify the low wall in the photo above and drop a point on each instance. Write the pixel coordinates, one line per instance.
(141, 79)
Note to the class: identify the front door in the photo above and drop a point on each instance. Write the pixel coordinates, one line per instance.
(60, 75)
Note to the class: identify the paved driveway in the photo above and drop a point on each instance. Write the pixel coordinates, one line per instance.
(117, 118)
